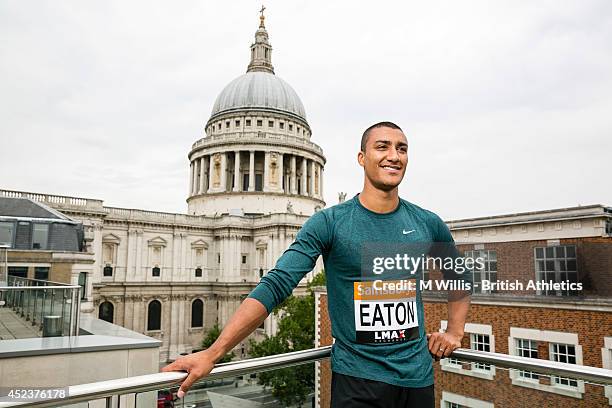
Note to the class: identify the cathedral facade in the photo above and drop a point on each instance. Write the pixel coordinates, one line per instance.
(255, 178)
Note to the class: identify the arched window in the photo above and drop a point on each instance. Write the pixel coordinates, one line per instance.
(197, 313)
(156, 271)
(198, 272)
(106, 311)
(154, 316)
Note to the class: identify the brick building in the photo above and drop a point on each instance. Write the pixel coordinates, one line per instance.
(565, 324)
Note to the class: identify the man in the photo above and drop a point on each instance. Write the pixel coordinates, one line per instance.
(381, 356)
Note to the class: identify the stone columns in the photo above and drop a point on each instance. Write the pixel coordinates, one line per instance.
(281, 172)
(304, 179)
(321, 182)
(237, 186)
(252, 171)
(266, 172)
(293, 175)
(211, 169)
(194, 177)
(191, 178)
(202, 174)
(311, 170)
(223, 172)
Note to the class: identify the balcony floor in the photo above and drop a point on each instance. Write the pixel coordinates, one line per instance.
(13, 326)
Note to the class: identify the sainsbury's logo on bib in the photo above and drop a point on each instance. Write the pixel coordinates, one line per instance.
(385, 311)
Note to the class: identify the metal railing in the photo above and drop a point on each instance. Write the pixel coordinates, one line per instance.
(41, 304)
(144, 383)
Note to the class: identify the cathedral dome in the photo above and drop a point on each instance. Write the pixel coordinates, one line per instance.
(259, 90)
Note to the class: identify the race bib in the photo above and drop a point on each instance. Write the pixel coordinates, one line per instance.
(386, 311)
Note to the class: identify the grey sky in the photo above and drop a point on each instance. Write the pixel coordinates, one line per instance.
(507, 105)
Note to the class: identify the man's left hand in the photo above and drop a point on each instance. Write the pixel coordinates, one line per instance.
(441, 345)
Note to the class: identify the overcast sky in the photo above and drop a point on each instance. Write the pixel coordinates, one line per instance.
(507, 106)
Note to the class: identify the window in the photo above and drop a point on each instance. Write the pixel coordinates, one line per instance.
(219, 126)
(227, 124)
(218, 257)
(452, 400)
(245, 182)
(562, 347)
(259, 123)
(197, 313)
(83, 285)
(258, 182)
(106, 311)
(563, 353)
(244, 259)
(481, 339)
(107, 271)
(40, 232)
(6, 233)
(608, 227)
(198, 272)
(480, 342)
(18, 271)
(527, 348)
(156, 272)
(237, 123)
(557, 264)
(484, 270)
(248, 122)
(154, 315)
(270, 123)
(281, 125)
(291, 127)
(41, 272)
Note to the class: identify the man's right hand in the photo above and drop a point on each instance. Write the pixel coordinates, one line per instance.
(198, 365)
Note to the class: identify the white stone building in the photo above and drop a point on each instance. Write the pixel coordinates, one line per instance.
(255, 179)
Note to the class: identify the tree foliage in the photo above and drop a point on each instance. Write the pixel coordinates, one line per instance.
(296, 331)
(210, 337)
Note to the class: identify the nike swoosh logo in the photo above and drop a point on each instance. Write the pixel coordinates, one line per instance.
(407, 232)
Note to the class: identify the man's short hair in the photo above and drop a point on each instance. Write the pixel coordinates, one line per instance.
(364, 137)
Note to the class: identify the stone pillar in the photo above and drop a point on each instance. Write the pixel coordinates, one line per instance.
(202, 174)
(321, 182)
(139, 275)
(237, 186)
(129, 257)
(191, 178)
(194, 177)
(266, 172)
(223, 171)
(281, 172)
(183, 302)
(304, 179)
(252, 171)
(293, 175)
(311, 169)
(211, 169)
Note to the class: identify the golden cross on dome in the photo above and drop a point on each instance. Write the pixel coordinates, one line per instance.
(262, 17)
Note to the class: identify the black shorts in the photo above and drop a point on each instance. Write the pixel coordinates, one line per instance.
(347, 391)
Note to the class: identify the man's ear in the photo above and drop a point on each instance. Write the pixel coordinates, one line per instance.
(360, 158)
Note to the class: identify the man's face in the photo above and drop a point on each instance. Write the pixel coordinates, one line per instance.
(385, 158)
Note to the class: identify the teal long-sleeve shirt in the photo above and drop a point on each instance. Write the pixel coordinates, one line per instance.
(377, 317)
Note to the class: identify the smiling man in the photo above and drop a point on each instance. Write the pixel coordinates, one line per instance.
(382, 356)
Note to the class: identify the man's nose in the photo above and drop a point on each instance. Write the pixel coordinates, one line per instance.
(392, 155)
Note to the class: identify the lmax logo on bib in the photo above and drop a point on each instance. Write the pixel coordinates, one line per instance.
(385, 311)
